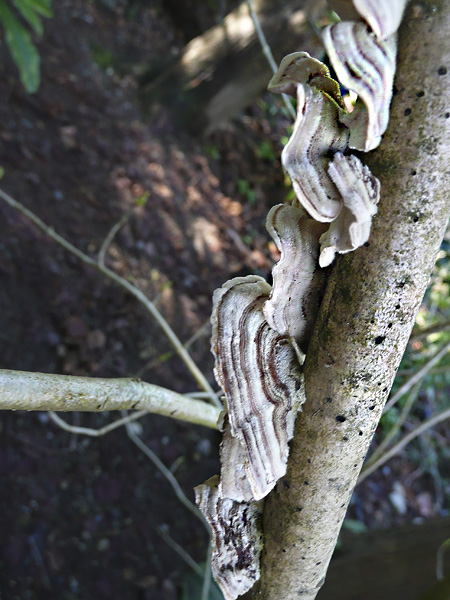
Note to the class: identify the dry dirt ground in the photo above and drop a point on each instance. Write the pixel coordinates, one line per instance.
(80, 515)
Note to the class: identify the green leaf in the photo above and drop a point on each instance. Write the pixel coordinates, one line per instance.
(29, 15)
(22, 49)
(43, 7)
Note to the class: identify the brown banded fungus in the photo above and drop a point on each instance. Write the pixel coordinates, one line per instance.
(366, 65)
(236, 538)
(360, 192)
(297, 281)
(258, 370)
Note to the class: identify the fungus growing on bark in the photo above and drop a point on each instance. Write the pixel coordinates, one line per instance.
(297, 281)
(360, 191)
(258, 370)
(236, 538)
(258, 330)
(366, 65)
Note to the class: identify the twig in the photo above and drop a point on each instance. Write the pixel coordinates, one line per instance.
(418, 376)
(268, 53)
(436, 328)
(167, 474)
(180, 551)
(112, 233)
(136, 292)
(207, 574)
(404, 441)
(396, 427)
(95, 432)
(440, 559)
(20, 390)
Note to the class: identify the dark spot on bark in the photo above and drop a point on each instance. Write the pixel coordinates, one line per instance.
(309, 461)
(384, 389)
(299, 509)
(407, 112)
(360, 433)
(442, 71)
(394, 90)
(303, 558)
(341, 419)
(329, 399)
(306, 483)
(420, 94)
(397, 306)
(317, 564)
(380, 339)
(447, 115)
(371, 407)
(354, 466)
(287, 485)
(367, 244)
(99, 407)
(413, 172)
(416, 218)
(389, 325)
(284, 550)
(372, 321)
(345, 438)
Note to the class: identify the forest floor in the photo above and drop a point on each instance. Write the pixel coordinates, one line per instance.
(80, 516)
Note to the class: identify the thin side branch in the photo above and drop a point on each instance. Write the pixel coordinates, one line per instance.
(101, 431)
(398, 447)
(268, 54)
(167, 474)
(417, 376)
(136, 292)
(112, 233)
(20, 390)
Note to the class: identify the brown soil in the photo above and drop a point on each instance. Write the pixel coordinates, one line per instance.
(80, 515)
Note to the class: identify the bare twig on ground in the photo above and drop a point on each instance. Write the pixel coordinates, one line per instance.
(136, 292)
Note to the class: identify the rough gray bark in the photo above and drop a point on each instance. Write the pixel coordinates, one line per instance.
(366, 317)
(224, 70)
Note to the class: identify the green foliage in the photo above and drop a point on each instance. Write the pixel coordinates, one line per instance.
(18, 38)
(245, 188)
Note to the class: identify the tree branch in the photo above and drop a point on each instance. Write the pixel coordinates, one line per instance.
(41, 391)
(136, 292)
(366, 318)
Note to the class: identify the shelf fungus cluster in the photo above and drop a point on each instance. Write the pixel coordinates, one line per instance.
(261, 332)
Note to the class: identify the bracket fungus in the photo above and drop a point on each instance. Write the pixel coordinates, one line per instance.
(236, 538)
(365, 65)
(360, 191)
(258, 370)
(260, 333)
(298, 283)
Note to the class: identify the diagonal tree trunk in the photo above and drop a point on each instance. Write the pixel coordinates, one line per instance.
(365, 320)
